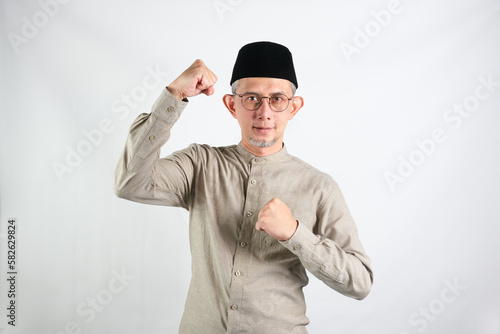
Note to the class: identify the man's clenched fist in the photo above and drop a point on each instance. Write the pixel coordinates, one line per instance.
(195, 80)
(276, 220)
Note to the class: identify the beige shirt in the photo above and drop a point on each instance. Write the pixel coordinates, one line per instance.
(243, 280)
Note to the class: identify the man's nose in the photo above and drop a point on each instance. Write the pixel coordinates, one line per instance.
(264, 111)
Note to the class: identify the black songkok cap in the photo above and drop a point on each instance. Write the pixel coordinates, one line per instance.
(266, 60)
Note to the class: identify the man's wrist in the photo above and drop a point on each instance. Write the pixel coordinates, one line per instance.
(295, 230)
(174, 92)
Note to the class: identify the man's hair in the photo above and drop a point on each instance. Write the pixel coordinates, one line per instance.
(234, 86)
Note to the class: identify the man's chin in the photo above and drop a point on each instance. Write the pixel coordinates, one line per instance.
(262, 143)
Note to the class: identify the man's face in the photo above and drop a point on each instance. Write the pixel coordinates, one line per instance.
(262, 130)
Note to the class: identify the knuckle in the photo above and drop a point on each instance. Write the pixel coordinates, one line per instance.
(273, 203)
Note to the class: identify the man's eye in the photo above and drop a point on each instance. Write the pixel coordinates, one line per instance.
(278, 98)
(252, 98)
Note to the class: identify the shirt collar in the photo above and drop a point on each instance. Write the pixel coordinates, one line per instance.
(250, 158)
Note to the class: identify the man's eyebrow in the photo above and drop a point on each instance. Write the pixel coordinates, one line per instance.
(276, 92)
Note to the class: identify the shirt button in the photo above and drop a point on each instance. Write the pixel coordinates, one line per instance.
(170, 109)
(297, 247)
(256, 160)
(243, 244)
(234, 307)
(249, 214)
(151, 138)
(323, 267)
(237, 273)
(253, 182)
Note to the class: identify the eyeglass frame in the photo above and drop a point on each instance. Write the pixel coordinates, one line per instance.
(265, 97)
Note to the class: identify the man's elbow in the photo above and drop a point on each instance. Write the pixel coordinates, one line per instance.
(363, 287)
(122, 189)
(120, 192)
(362, 293)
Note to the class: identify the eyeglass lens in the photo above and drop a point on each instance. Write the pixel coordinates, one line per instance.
(277, 102)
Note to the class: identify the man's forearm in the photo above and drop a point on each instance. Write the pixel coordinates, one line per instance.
(148, 133)
(333, 252)
(342, 271)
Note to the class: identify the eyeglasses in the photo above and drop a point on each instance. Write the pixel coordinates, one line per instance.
(277, 102)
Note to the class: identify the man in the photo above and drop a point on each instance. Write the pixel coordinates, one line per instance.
(258, 216)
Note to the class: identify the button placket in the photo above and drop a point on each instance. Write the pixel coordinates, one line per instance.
(242, 251)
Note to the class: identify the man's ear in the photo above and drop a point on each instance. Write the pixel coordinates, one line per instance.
(228, 100)
(298, 102)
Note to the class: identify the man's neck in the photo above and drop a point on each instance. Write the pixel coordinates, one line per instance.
(262, 151)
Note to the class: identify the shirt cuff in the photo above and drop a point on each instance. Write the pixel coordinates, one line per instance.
(167, 107)
(302, 240)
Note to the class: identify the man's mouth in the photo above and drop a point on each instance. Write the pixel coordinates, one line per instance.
(262, 129)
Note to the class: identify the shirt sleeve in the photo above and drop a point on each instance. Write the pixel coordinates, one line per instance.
(332, 251)
(141, 175)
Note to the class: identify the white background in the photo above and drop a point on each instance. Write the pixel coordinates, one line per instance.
(67, 69)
